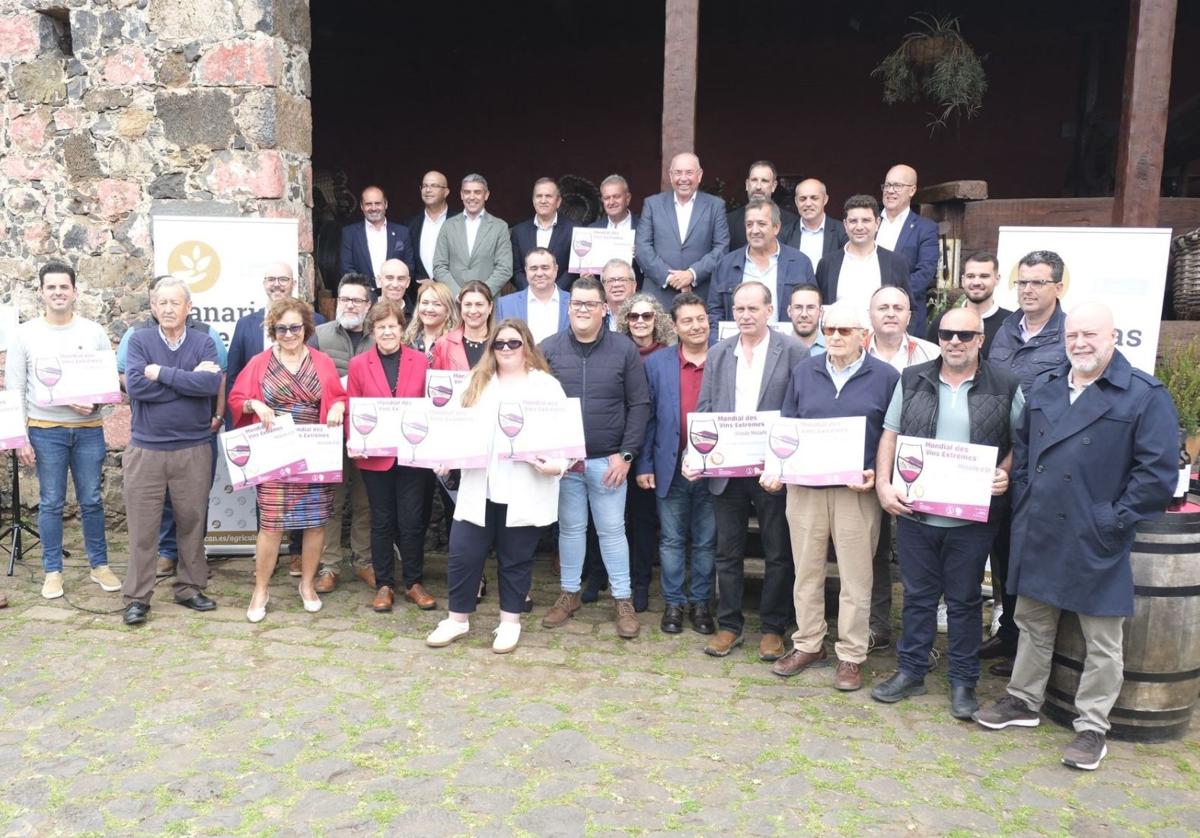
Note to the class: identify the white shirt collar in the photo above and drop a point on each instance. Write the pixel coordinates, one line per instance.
(675, 199)
(537, 223)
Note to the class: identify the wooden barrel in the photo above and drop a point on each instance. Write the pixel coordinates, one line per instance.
(1161, 642)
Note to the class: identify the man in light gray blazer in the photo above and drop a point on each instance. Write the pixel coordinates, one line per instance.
(473, 245)
(677, 256)
(757, 353)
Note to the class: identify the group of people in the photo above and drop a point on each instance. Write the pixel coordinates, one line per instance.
(828, 322)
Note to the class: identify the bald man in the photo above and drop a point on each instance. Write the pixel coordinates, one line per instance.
(681, 235)
(911, 237)
(1096, 454)
(423, 228)
(817, 233)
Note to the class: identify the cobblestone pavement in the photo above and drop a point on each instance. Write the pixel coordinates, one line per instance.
(344, 723)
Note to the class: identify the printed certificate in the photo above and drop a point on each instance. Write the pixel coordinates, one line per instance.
(76, 377)
(323, 451)
(591, 249)
(728, 444)
(256, 455)
(817, 452)
(375, 426)
(452, 437)
(951, 479)
(549, 429)
(12, 421)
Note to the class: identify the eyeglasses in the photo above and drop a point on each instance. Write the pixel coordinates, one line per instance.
(844, 331)
(434, 186)
(1035, 283)
(512, 343)
(293, 329)
(894, 187)
(963, 335)
(585, 305)
(352, 301)
(276, 280)
(644, 316)
(613, 280)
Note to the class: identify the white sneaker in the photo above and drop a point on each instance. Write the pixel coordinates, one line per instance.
(507, 637)
(447, 632)
(52, 587)
(997, 613)
(103, 576)
(943, 620)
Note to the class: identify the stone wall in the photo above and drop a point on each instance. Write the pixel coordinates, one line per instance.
(115, 111)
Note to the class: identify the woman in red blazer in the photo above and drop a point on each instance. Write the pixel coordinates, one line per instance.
(395, 492)
(461, 348)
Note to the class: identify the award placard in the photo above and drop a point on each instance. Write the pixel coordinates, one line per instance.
(323, 448)
(375, 426)
(951, 479)
(728, 444)
(542, 429)
(79, 376)
(817, 452)
(593, 248)
(257, 455)
(12, 421)
(454, 437)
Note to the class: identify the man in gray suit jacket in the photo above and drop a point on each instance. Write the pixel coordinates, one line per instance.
(473, 245)
(756, 353)
(680, 257)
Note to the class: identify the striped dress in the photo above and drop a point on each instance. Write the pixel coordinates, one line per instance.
(293, 506)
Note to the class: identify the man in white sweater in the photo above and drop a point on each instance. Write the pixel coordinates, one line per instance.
(61, 437)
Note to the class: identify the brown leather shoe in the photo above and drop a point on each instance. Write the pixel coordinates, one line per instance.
(294, 568)
(723, 643)
(563, 609)
(848, 677)
(3, 601)
(770, 648)
(326, 581)
(366, 573)
(420, 597)
(383, 599)
(795, 662)
(627, 621)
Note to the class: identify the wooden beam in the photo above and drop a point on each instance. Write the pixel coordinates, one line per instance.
(953, 190)
(680, 48)
(1144, 112)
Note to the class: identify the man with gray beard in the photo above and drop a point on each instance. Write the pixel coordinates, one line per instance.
(341, 340)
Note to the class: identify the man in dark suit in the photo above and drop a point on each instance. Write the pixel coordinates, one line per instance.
(682, 234)
(546, 229)
(757, 355)
(774, 264)
(853, 272)
(760, 183)
(685, 507)
(911, 237)
(615, 197)
(816, 235)
(423, 228)
(367, 245)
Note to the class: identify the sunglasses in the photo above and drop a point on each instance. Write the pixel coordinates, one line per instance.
(844, 331)
(294, 329)
(514, 343)
(644, 316)
(963, 335)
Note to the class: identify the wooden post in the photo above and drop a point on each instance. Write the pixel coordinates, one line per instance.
(680, 46)
(1144, 113)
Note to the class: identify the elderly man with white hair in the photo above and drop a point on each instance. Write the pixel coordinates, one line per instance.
(844, 382)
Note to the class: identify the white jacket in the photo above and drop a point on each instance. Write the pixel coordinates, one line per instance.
(533, 496)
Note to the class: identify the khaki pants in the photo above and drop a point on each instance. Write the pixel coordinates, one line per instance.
(360, 520)
(851, 519)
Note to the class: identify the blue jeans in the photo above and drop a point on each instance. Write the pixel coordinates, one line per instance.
(168, 547)
(576, 493)
(687, 513)
(81, 450)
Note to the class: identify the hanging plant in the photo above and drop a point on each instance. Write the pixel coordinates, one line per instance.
(935, 64)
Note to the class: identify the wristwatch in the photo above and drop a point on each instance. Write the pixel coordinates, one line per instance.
(626, 456)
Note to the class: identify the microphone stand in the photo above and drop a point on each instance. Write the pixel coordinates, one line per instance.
(18, 527)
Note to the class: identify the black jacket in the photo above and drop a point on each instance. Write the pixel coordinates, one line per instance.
(607, 378)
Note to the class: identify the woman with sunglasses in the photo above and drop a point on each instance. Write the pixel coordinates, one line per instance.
(289, 378)
(395, 492)
(505, 505)
(643, 319)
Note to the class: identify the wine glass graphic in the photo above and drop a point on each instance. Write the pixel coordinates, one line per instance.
(784, 440)
(414, 424)
(910, 460)
(237, 450)
(703, 436)
(582, 246)
(364, 421)
(439, 389)
(49, 372)
(511, 419)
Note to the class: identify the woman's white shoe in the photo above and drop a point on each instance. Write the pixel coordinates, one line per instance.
(447, 632)
(312, 606)
(257, 615)
(507, 637)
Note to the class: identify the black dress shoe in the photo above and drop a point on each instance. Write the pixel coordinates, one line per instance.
(702, 620)
(528, 606)
(997, 647)
(1002, 669)
(641, 599)
(197, 603)
(900, 686)
(135, 613)
(963, 703)
(672, 619)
